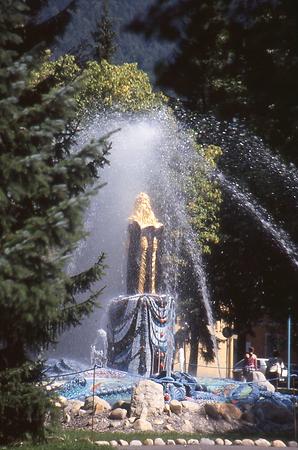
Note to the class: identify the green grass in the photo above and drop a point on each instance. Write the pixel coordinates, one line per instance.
(83, 440)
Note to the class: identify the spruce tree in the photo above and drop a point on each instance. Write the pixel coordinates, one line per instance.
(104, 36)
(43, 193)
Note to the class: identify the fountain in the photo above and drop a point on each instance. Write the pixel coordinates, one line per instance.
(141, 324)
(153, 156)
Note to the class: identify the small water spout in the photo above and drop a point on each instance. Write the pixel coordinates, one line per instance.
(280, 237)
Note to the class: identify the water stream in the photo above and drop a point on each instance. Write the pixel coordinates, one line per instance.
(154, 154)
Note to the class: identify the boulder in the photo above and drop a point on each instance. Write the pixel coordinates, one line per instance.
(123, 442)
(225, 411)
(262, 443)
(292, 444)
(100, 405)
(237, 442)
(170, 442)
(74, 406)
(219, 441)
(248, 442)
(122, 404)
(207, 441)
(176, 407)
(148, 441)
(260, 379)
(193, 442)
(142, 425)
(147, 399)
(192, 407)
(113, 443)
(269, 411)
(277, 443)
(118, 414)
(180, 441)
(101, 443)
(159, 441)
(187, 426)
(115, 424)
(136, 443)
(228, 442)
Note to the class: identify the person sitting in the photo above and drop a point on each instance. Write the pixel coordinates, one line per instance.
(274, 368)
(250, 364)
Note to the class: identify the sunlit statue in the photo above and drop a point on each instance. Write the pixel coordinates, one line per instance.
(141, 324)
(144, 252)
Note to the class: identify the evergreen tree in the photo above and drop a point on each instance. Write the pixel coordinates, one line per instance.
(104, 36)
(42, 198)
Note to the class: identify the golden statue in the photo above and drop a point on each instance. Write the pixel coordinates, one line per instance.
(145, 232)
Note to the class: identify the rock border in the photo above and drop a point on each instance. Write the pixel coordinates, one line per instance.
(260, 442)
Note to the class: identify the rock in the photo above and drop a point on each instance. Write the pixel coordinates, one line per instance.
(193, 442)
(142, 425)
(228, 442)
(62, 400)
(248, 442)
(187, 426)
(158, 422)
(123, 443)
(113, 443)
(167, 409)
(100, 405)
(135, 442)
(148, 396)
(225, 411)
(66, 418)
(237, 442)
(171, 442)
(262, 443)
(192, 406)
(148, 442)
(180, 441)
(207, 441)
(219, 441)
(115, 424)
(278, 443)
(260, 379)
(118, 414)
(101, 443)
(74, 406)
(169, 427)
(82, 412)
(159, 441)
(175, 407)
(248, 416)
(292, 444)
(269, 411)
(132, 419)
(122, 404)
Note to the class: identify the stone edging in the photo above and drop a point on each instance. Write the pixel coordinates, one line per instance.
(205, 441)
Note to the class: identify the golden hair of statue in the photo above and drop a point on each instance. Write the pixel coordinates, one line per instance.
(145, 233)
(142, 213)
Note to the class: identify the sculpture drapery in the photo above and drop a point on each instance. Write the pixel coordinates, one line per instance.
(141, 324)
(145, 246)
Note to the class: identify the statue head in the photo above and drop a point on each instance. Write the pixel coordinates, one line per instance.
(142, 213)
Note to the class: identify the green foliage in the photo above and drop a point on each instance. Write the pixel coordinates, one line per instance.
(42, 199)
(23, 406)
(103, 85)
(205, 198)
(104, 36)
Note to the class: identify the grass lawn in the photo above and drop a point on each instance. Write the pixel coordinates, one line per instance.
(83, 440)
